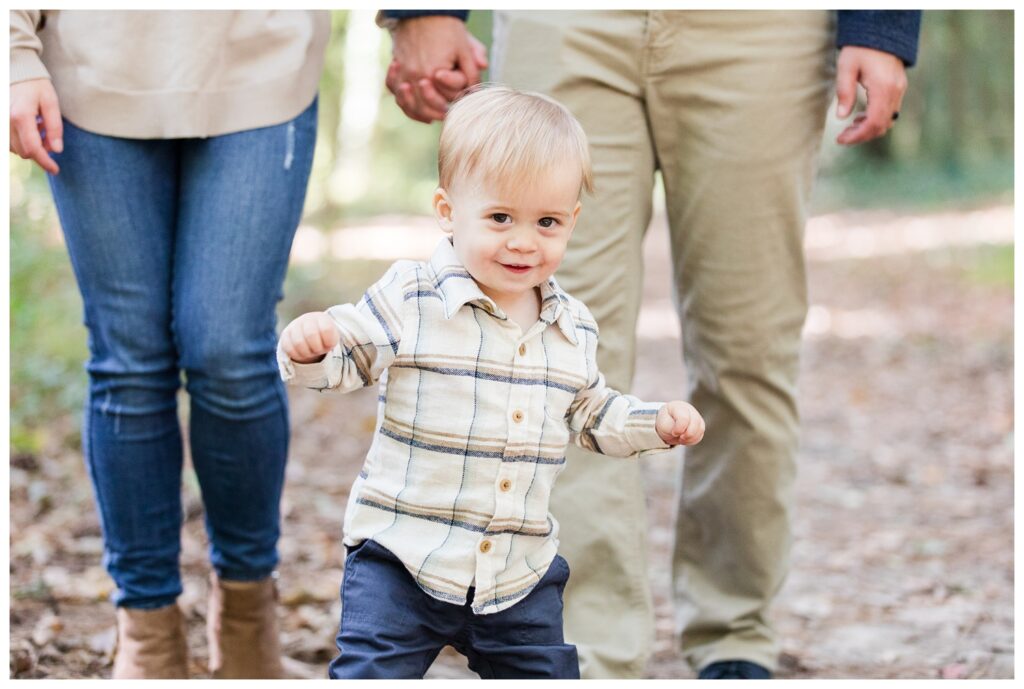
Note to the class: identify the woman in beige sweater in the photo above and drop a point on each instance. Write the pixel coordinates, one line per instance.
(178, 147)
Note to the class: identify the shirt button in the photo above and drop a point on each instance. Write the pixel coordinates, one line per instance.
(522, 350)
(505, 486)
(517, 416)
(485, 546)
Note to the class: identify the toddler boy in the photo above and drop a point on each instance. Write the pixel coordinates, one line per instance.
(487, 369)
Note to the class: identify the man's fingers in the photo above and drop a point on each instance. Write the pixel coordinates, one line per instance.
(881, 105)
(391, 80)
(52, 122)
(449, 83)
(846, 88)
(425, 112)
(431, 98)
(407, 102)
(479, 52)
(875, 122)
(467, 63)
(854, 132)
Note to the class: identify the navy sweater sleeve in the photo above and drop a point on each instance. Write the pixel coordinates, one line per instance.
(894, 31)
(409, 14)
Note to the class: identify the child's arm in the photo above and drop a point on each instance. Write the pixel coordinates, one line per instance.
(604, 420)
(348, 346)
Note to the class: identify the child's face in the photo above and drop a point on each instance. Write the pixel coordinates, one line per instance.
(510, 240)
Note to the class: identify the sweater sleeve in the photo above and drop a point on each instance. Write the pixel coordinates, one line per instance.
(893, 31)
(409, 14)
(26, 48)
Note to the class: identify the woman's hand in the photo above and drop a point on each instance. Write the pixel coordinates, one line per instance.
(309, 337)
(34, 110)
(678, 423)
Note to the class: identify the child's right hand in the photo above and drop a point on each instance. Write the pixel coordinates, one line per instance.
(309, 337)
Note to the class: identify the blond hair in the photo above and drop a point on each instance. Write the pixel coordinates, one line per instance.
(503, 134)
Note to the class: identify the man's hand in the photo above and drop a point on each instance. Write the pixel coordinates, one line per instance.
(309, 337)
(435, 58)
(34, 109)
(884, 78)
(678, 423)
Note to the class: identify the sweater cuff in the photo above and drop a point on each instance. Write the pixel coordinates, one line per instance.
(26, 65)
(641, 433)
(891, 31)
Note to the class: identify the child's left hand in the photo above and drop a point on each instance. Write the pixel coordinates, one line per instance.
(678, 423)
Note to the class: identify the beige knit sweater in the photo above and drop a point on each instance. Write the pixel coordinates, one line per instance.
(172, 74)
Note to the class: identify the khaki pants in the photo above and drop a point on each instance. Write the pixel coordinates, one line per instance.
(730, 107)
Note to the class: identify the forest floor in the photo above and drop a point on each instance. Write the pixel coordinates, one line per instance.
(903, 560)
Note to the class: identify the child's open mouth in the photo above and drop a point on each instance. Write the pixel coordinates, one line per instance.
(518, 269)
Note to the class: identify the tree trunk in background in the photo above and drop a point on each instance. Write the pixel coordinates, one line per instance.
(359, 106)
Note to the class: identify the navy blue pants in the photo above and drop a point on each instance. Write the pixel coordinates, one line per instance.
(391, 629)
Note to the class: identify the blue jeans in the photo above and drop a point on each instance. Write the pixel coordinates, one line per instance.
(391, 629)
(179, 247)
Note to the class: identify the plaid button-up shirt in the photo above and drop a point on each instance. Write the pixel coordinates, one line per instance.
(473, 420)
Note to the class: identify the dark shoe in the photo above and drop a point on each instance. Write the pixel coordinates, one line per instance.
(734, 669)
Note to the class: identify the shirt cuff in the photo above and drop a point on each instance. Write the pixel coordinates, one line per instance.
(640, 428)
(313, 375)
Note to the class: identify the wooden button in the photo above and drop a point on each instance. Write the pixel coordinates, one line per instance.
(506, 486)
(522, 350)
(485, 546)
(517, 416)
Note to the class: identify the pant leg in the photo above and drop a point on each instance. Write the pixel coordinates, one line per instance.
(737, 102)
(241, 199)
(524, 641)
(590, 62)
(117, 200)
(390, 628)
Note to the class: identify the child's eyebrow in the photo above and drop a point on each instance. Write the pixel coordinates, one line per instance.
(497, 207)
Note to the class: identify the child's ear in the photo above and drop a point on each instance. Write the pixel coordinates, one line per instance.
(443, 210)
(575, 215)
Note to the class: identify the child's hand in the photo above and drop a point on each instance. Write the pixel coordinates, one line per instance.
(678, 423)
(309, 337)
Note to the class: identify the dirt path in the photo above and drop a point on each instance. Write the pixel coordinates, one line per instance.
(903, 561)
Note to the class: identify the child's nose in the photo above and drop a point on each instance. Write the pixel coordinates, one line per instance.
(522, 240)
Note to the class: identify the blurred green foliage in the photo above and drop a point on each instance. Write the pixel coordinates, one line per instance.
(48, 340)
(953, 143)
(992, 265)
(953, 147)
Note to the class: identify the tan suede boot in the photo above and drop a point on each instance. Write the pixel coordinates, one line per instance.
(151, 644)
(241, 626)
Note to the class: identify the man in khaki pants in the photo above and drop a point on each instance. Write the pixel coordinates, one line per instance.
(730, 107)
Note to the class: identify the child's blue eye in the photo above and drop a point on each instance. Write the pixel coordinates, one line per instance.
(500, 218)
(547, 222)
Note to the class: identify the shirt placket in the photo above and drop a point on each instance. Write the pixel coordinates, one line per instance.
(508, 493)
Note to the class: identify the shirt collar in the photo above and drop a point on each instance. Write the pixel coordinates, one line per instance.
(458, 288)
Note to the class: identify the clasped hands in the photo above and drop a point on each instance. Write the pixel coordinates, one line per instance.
(435, 58)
